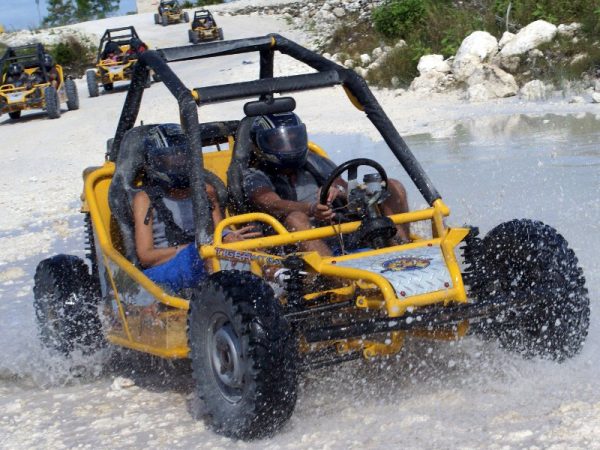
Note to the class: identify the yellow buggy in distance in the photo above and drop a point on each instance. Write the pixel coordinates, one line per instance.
(248, 342)
(115, 60)
(39, 93)
(204, 28)
(169, 11)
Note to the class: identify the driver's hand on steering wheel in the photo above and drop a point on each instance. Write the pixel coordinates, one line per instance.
(321, 212)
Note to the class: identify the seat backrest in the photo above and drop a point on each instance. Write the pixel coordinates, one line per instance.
(240, 159)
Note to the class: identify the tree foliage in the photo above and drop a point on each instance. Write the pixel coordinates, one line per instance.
(62, 12)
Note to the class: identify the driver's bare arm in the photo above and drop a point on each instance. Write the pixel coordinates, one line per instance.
(268, 201)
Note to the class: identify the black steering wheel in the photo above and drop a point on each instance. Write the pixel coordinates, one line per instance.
(351, 167)
(375, 229)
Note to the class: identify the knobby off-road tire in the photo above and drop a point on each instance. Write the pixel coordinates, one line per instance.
(14, 115)
(92, 84)
(186, 17)
(72, 95)
(220, 31)
(65, 304)
(243, 355)
(52, 102)
(164, 20)
(527, 258)
(191, 35)
(156, 18)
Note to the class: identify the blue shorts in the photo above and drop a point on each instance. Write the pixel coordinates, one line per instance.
(185, 270)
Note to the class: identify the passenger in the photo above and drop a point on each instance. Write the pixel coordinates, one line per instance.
(163, 218)
(136, 47)
(286, 179)
(17, 76)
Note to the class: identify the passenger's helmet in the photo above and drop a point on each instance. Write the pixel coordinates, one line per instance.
(15, 69)
(166, 157)
(48, 61)
(281, 140)
(135, 43)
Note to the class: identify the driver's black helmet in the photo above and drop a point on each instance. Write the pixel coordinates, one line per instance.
(112, 47)
(281, 140)
(15, 69)
(48, 61)
(135, 43)
(166, 157)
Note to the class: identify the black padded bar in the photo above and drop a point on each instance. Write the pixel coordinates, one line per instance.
(266, 86)
(189, 123)
(221, 48)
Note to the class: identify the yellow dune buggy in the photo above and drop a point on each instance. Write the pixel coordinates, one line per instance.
(204, 28)
(38, 92)
(117, 54)
(169, 11)
(267, 312)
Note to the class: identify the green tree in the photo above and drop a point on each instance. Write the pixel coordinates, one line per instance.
(60, 12)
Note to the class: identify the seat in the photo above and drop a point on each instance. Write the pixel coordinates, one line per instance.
(240, 160)
(129, 165)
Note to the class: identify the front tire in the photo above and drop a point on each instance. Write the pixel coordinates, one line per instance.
(65, 304)
(527, 258)
(243, 356)
(52, 102)
(164, 20)
(92, 84)
(72, 95)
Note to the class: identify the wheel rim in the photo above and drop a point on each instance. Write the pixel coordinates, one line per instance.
(224, 351)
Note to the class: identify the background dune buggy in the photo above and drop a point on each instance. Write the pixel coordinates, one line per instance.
(248, 344)
(107, 72)
(169, 11)
(204, 27)
(41, 94)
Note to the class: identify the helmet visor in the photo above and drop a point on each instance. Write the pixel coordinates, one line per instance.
(170, 166)
(283, 141)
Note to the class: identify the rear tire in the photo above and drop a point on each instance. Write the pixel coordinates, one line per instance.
(527, 258)
(72, 95)
(164, 20)
(14, 115)
(156, 18)
(65, 304)
(92, 84)
(186, 17)
(52, 102)
(243, 356)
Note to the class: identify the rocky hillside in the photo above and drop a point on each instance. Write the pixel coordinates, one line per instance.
(533, 60)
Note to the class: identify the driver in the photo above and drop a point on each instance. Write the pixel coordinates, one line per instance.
(285, 179)
(164, 224)
(17, 76)
(38, 77)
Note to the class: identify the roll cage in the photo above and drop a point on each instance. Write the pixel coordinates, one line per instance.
(120, 36)
(29, 56)
(328, 74)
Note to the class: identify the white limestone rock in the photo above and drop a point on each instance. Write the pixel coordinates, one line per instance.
(506, 37)
(530, 37)
(534, 90)
(429, 63)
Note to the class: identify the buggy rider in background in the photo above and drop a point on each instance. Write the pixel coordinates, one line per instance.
(112, 52)
(286, 180)
(17, 76)
(51, 72)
